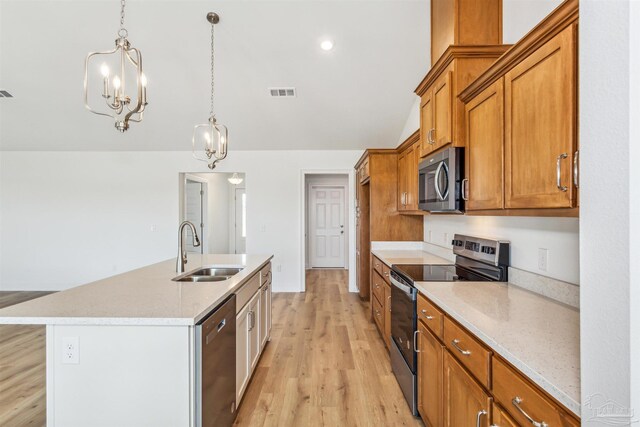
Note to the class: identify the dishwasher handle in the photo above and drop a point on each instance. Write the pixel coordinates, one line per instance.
(217, 321)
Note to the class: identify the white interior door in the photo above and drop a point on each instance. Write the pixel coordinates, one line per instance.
(241, 220)
(194, 206)
(327, 227)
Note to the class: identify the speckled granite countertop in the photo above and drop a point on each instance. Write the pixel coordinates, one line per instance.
(146, 296)
(539, 336)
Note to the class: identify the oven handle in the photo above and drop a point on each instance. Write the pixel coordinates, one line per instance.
(404, 288)
(436, 180)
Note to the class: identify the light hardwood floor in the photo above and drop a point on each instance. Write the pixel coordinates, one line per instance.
(22, 368)
(326, 365)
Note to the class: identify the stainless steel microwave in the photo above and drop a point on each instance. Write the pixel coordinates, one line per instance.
(440, 181)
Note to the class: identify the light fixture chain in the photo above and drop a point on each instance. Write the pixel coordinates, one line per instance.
(212, 65)
(123, 33)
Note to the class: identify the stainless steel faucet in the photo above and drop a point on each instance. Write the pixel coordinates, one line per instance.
(182, 254)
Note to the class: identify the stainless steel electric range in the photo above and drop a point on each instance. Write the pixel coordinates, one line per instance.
(477, 260)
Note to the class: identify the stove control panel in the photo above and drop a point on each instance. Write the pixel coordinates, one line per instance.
(494, 252)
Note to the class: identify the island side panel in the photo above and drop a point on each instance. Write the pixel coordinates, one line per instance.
(126, 376)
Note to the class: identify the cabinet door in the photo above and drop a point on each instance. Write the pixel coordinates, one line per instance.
(254, 330)
(243, 364)
(387, 314)
(412, 178)
(430, 376)
(465, 402)
(265, 314)
(540, 126)
(485, 149)
(402, 180)
(426, 124)
(500, 418)
(442, 106)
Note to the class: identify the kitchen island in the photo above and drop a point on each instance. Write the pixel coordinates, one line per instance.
(123, 351)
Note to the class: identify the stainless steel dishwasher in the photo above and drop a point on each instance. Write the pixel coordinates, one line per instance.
(216, 367)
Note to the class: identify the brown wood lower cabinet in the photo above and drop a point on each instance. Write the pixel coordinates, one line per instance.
(465, 401)
(430, 368)
(466, 384)
(500, 418)
(387, 314)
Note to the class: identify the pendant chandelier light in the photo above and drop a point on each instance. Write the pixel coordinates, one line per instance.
(117, 68)
(209, 140)
(235, 179)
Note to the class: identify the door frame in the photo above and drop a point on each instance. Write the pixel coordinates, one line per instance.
(310, 186)
(351, 220)
(204, 241)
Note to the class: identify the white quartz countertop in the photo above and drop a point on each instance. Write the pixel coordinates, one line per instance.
(391, 257)
(537, 335)
(146, 296)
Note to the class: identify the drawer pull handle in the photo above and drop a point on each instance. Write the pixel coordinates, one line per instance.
(516, 402)
(415, 344)
(424, 312)
(457, 347)
(479, 416)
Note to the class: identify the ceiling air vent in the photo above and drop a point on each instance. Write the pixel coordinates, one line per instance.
(5, 94)
(282, 92)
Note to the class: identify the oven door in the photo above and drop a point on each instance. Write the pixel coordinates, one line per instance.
(404, 320)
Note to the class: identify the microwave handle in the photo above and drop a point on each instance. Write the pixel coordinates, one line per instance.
(436, 181)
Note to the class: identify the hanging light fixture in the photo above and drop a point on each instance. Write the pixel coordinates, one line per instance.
(210, 140)
(126, 64)
(235, 179)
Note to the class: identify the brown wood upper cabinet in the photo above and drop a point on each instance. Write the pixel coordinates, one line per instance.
(441, 112)
(408, 177)
(521, 124)
(484, 117)
(469, 22)
(540, 128)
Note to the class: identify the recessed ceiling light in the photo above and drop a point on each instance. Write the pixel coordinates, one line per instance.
(326, 45)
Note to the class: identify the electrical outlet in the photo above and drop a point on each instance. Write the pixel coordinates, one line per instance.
(430, 236)
(153, 228)
(263, 228)
(70, 350)
(445, 238)
(543, 259)
(279, 268)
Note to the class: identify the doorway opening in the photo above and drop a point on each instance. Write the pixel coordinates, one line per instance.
(327, 220)
(216, 203)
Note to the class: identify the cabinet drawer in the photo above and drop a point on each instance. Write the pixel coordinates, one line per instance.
(518, 396)
(473, 355)
(378, 314)
(377, 285)
(386, 271)
(377, 265)
(247, 291)
(265, 274)
(431, 316)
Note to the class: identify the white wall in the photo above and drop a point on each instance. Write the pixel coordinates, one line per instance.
(68, 218)
(634, 201)
(520, 16)
(558, 235)
(608, 298)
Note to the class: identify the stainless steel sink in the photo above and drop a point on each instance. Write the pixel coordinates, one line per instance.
(208, 274)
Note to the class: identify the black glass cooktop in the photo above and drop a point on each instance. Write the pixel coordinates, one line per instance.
(436, 273)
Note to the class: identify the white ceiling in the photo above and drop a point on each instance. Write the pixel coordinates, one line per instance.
(356, 96)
